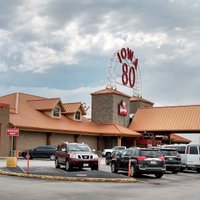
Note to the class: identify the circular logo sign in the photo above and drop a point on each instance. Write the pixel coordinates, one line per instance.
(124, 70)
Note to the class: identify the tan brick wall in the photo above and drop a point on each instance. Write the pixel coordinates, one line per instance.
(28, 140)
(57, 138)
(102, 108)
(134, 105)
(105, 109)
(4, 140)
(89, 140)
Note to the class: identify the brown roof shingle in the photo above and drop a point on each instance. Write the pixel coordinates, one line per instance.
(136, 98)
(29, 118)
(73, 107)
(180, 119)
(109, 91)
(44, 104)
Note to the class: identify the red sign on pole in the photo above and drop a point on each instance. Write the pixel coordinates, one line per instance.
(12, 132)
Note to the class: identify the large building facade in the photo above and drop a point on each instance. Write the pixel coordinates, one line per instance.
(116, 119)
(49, 121)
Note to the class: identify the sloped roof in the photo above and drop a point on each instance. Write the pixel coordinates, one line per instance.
(178, 139)
(137, 98)
(117, 130)
(179, 119)
(9, 99)
(73, 107)
(45, 104)
(28, 118)
(109, 91)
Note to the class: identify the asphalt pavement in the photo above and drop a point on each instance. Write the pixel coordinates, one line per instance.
(45, 169)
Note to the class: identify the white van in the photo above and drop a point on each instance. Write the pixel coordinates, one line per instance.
(190, 155)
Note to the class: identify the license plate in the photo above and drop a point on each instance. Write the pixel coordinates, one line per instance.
(153, 162)
(170, 158)
(85, 164)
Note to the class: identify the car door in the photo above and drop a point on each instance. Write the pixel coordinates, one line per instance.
(125, 159)
(37, 152)
(62, 153)
(47, 151)
(193, 157)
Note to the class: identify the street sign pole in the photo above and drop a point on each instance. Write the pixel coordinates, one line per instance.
(11, 146)
(12, 132)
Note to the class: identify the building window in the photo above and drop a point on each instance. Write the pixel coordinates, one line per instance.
(78, 115)
(56, 112)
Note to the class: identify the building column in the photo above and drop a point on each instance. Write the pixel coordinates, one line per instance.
(49, 138)
(76, 138)
(99, 143)
(134, 142)
(153, 139)
(169, 139)
(119, 141)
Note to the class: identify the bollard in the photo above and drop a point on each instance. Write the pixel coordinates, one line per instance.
(11, 162)
(129, 168)
(28, 162)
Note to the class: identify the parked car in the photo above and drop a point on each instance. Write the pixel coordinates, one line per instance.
(190, 155)
(107, 152)
(142, 161)
(76, 155)
(44, 151)
(115, 153)
(172, 159)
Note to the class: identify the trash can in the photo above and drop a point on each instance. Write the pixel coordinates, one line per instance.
(11, 162)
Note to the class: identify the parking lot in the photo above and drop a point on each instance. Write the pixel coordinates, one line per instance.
(47, 167)
(182, 186)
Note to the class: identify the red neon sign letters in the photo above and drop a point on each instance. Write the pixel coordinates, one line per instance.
(128, 68)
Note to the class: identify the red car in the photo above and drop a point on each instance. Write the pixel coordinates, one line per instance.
(77, 155)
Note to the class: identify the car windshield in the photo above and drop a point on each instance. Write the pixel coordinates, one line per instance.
(118, 148)
(150, 153)
(78, 147)
(180, 149)
(169, 152)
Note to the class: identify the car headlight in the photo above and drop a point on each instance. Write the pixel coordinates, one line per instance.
(95, 156)
(73, 156)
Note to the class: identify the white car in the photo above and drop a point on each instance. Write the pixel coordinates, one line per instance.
(107, 152)
(190, 155)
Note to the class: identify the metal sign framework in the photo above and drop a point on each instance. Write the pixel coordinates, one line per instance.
(124, 70)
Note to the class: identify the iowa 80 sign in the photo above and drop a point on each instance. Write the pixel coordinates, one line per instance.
(124, 70)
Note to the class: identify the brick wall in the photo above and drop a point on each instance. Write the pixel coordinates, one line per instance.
(57, 138)
(105, 109)
(4, 122)
(28, 140)
(134, 105)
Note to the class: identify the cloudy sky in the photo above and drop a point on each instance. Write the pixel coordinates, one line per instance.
(62, 48)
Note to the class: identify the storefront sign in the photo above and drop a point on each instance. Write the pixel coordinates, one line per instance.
(123, 108)
(124, 70)
(129, 65)
(12, 132)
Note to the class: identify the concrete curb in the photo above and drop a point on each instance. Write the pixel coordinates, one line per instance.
(77, 179)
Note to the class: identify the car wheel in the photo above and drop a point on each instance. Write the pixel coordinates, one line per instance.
(198, 170)
(52, 157)
(182, 169)
(94, 168)
(57, 165)
(159, 175)
(114, 168)
(133, 171)
(67, 166)
(108, 154)
(107, 161)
